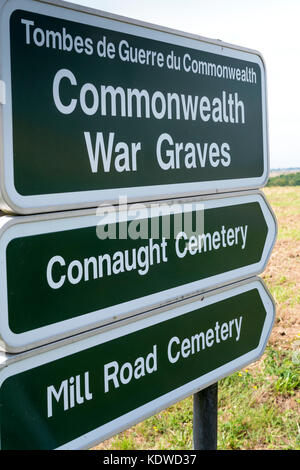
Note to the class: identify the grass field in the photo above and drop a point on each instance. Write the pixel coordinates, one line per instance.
(258, 407)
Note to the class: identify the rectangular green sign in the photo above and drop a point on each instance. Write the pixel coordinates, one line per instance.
(78, 270)
(82, 392)
(96, 107)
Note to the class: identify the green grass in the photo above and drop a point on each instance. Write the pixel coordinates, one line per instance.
(291, 233)
(285, 202)
(282, 366)
(255, 419)
(284, 292)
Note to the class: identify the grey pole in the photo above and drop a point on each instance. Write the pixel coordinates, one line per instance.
(205, 418)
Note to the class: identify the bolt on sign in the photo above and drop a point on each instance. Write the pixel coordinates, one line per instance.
(78, 270)
(94, 106)
(81, 393)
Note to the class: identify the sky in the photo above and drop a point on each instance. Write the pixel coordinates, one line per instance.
(268, 26)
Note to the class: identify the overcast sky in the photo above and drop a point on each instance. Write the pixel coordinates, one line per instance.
(269, 26)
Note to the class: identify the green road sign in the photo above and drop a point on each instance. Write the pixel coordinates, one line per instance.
(82, 392)
(69, 272)
(95, 106)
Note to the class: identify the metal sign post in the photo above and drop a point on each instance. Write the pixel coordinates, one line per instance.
(205, 414)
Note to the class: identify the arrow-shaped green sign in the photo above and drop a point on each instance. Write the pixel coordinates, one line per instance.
(82, 392)
(79, 270)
